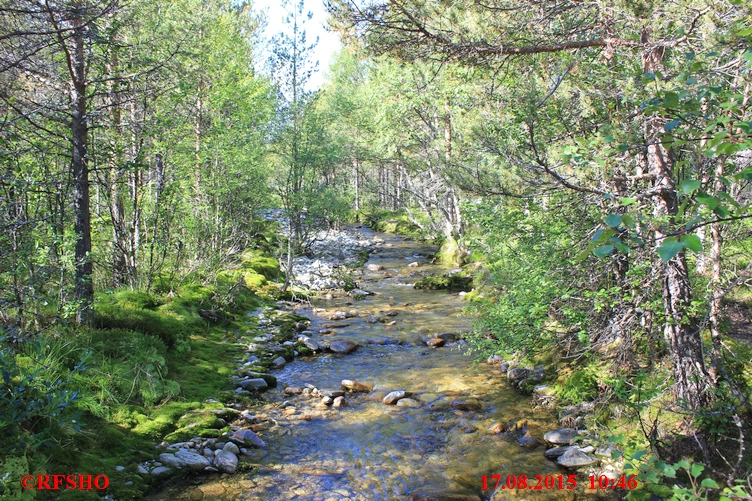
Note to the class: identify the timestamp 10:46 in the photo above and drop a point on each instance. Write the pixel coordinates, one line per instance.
(555, 482)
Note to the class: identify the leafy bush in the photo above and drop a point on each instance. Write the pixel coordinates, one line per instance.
(35, 390)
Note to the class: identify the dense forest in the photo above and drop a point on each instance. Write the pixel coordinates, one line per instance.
(588, 163)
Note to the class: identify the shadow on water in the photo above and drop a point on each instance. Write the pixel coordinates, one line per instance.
(371, 451)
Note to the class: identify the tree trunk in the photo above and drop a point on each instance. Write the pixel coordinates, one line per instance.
(84, 290)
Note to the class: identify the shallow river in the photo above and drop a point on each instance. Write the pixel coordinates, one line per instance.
(370, 451)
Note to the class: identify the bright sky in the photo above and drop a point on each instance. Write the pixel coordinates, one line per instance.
(328, 41)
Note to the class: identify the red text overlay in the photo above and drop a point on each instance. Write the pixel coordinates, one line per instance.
(59, 482)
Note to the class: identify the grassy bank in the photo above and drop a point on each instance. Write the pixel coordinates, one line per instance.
(97, 400)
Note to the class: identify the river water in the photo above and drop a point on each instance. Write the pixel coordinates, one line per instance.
(370, 451)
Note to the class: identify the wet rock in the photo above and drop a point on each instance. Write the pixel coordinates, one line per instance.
(555, 452)
(193, 460)
(374, 267)
(339, 315)
(497, 428)
(311, 344)
(528, 442)
(243, 437)
(293, 390)
(391, 313)
(171, 460)
(414, 264)
(321, 406)
(324, 332)
(448, 337)
(209, 453)
(504, 367)
(160, 470)
(517, 374)
(229, 446)
(279, 362)
(560, 436)
(372, 319)
(358, 293)
(442, 496)
(338, 402)
(331, 393)
(575, 458)
(466, 405)
(327, 400)
(435, 342)
(408, 402)
(343, 346)
(226, 461)
(393, 397)
(439, 405)
(355, 386)
(257, 384)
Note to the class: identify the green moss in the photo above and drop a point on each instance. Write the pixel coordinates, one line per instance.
(11, 471)
(260, 263)
(254, 280)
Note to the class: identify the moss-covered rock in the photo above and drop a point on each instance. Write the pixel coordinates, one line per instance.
(452, 283)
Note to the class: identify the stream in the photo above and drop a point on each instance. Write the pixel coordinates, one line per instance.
(367, 450)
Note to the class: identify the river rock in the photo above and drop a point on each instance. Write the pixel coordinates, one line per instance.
(171, 460)
(575, 458)
(193, 460)
(560, 436)
(448, 337)
(517, 374)
(338, 402)
(327, 400)
(339, 315)
(279, 362)
(555, 452)
(393, 397)
(159, 470)
(226, 461)
(435, 342)
(414, 264)
(331, 393)
(391, 313)
(466, 405)
(408, 402)
(372, 319)
(374, 267)
(497, 428)
(309, 343)
(355, 386)
(528, 442)
(504, 367)
(231, 447)
(343, 346)
(293, 390)
(243, 437)
(254, 384)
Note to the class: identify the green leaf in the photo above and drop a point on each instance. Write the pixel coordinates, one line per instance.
(638, 454)
(692, 242)
(673, 124)
(613, 220)
(603, 251)
(671, 100)
(624, 249)
(708, 200)
(683, 464)
(721, 212)
(709, 483)
(628, 201)
(696, 470)
(628, 221)
(689, 186)
(669, 249)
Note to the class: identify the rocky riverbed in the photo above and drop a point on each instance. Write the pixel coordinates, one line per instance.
(372, 397)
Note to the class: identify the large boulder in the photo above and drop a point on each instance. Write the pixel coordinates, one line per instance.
(193, 460)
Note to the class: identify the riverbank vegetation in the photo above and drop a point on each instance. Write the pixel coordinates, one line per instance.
(591, 161)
